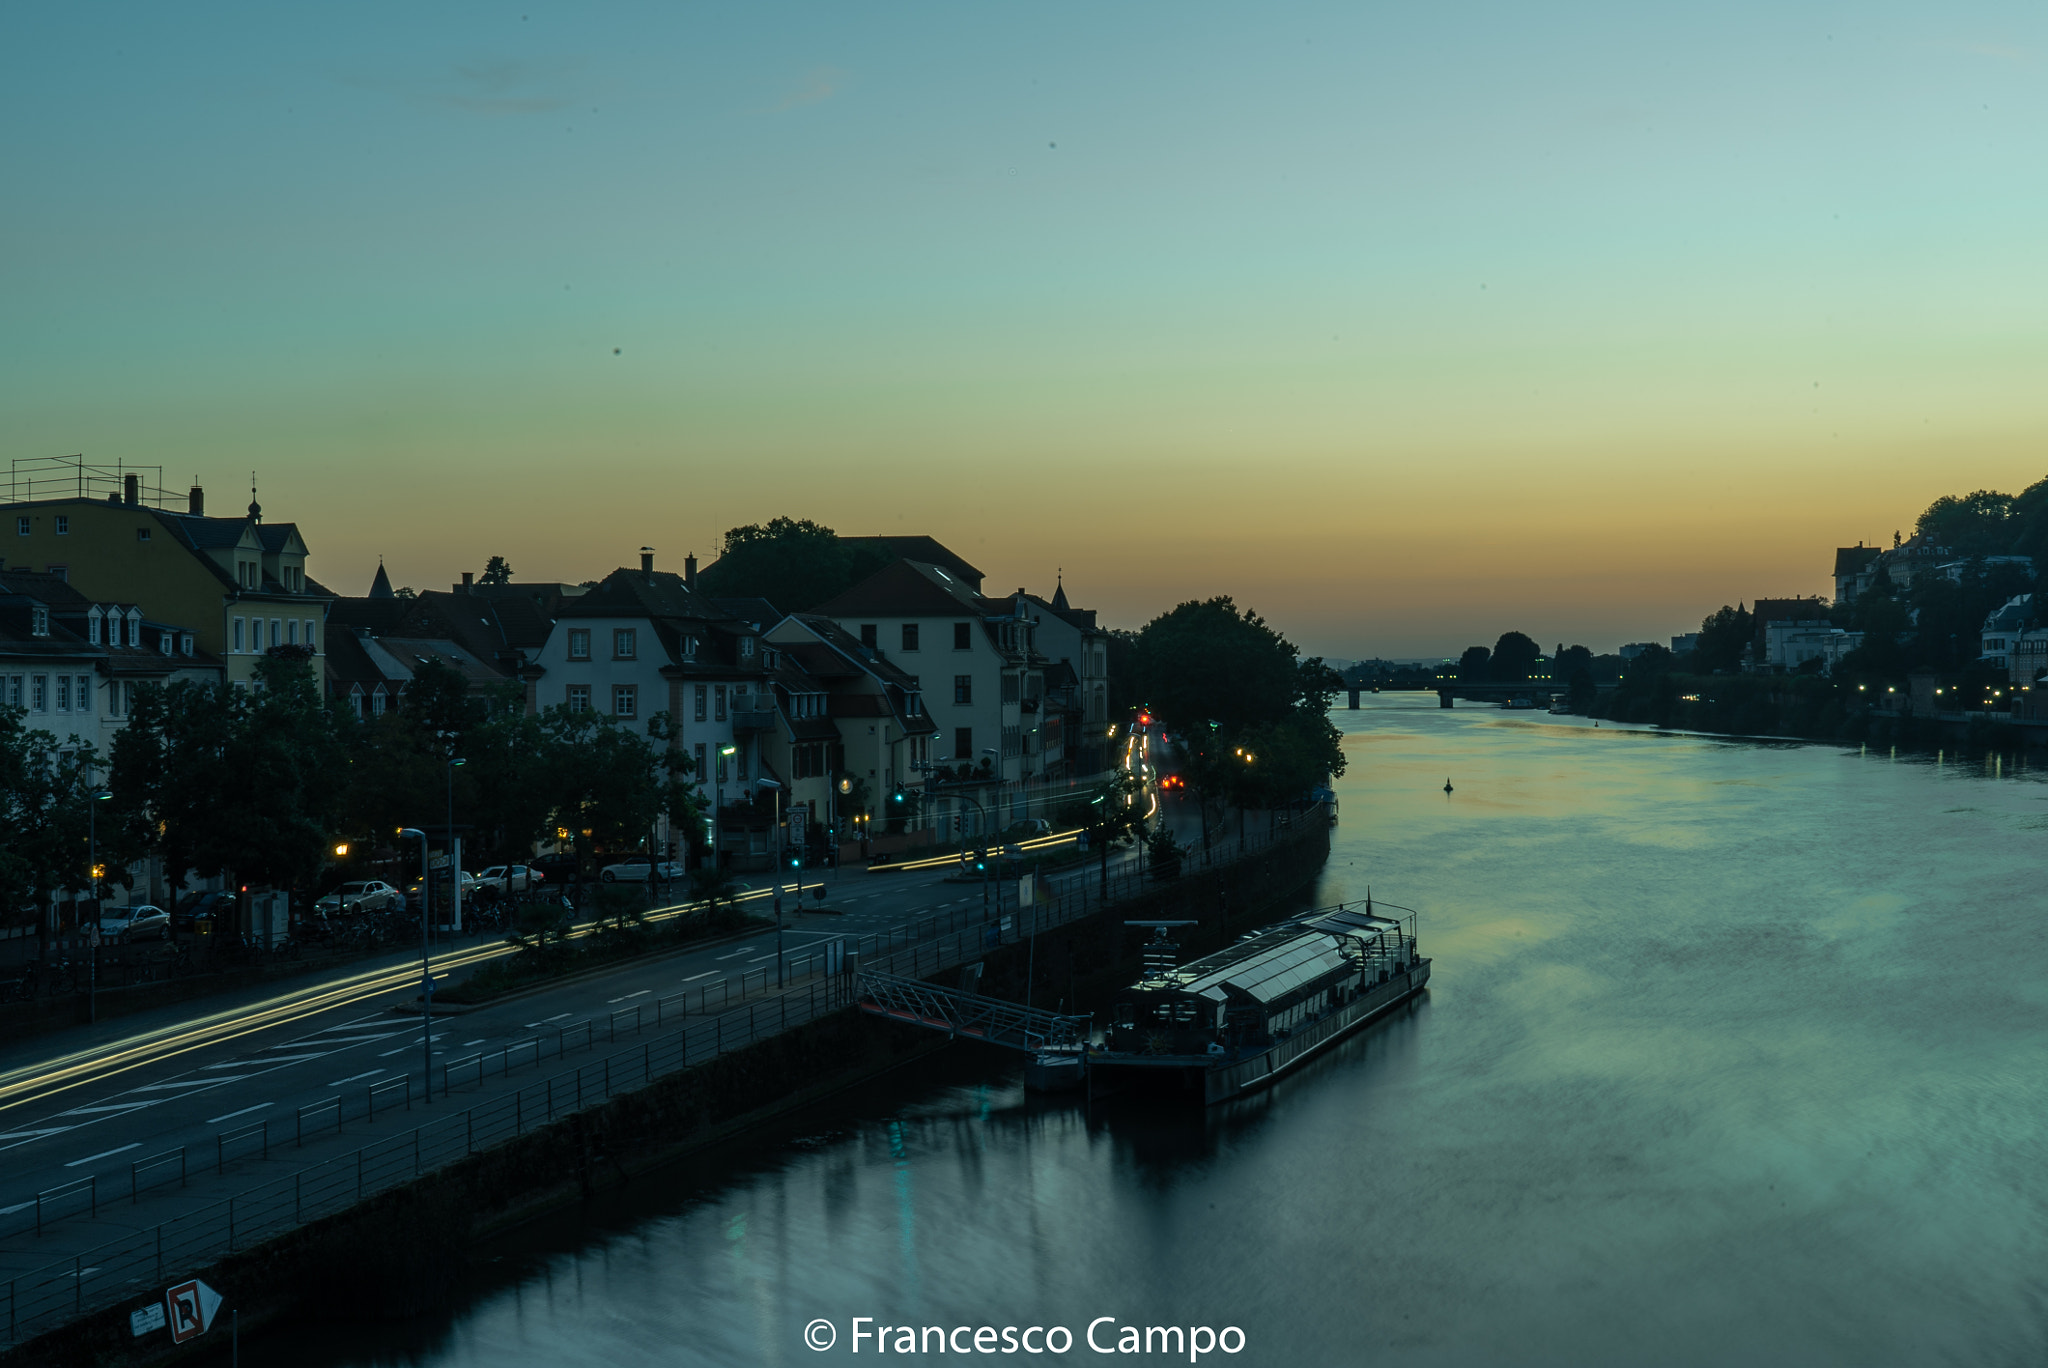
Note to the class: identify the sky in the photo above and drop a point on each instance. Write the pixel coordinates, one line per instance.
(1403, 325)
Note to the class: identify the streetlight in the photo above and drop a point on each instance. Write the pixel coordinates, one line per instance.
(776, 787)
(997, 755)
(92, 875)
(426, 971)
(725, 753)
(454, 866)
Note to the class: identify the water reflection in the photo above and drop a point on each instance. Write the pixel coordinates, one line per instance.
(1733, 1054)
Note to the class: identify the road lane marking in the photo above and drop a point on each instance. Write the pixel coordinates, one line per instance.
(734, 955)
(270, 1059)
(758, 958)
(104, 1154)
(114, 1107)
(198, 1084)
(18, 1206)
(629, 996)
(355, 1078)
(694, 977)
(478, 1041)
(216, 1120)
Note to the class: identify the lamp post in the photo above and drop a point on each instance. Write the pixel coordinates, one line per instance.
(776, 787)
(454, 864)
(92, 877)
(426, 971)
(725, 753)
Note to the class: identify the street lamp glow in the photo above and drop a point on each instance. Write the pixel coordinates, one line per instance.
(341, 850)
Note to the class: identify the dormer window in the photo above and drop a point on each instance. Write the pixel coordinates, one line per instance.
(746, 648)
(135, 629)
(142, 534)
(185, 644)
(39, 620)
(689, 648)
(92, 627)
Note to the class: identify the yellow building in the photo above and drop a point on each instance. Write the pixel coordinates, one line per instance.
(240, 583)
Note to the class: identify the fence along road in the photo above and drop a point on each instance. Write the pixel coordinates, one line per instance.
(203, 1214)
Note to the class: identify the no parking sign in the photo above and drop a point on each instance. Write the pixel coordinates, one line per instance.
(191, 1306)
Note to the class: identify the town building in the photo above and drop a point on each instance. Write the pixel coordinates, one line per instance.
(1855, 567)
(238, 584)
(2003, 628)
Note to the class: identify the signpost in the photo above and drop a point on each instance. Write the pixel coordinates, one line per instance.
(191, 1306)
(150, 1317)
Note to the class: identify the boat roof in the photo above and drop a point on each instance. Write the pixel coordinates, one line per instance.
(1272, 963)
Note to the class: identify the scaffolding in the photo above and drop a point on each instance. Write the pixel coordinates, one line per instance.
(73, 477)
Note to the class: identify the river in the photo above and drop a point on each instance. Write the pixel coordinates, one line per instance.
(1734, 1054)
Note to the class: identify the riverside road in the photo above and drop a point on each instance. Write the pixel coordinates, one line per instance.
(90, 1103)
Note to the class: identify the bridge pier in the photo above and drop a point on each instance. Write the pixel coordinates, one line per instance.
(1354, 700)
(1443, 698)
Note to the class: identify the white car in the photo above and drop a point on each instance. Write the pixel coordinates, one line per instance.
(367, 895)
(134, 923)
(510, 879)
(639, 869)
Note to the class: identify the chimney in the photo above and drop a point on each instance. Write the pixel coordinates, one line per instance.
(196, 502)
(468, 580)
(690, 573)
(646, 560)
(131, 490)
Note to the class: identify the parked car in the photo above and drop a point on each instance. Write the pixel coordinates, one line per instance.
(1029, 829)
(135, 923)
(412, 890)
(556, 867)
(510, 879)
(364, 895)
(639, 869)
(194, 908)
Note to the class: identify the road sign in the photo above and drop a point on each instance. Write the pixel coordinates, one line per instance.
(150, 1317)
(191, 1306)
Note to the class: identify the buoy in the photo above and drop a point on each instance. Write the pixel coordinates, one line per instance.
(1447, 786)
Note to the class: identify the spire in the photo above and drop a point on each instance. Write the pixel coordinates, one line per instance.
(380, 587)
(255, 509)
(1059, 593)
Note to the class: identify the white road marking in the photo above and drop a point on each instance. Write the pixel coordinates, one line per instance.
(105, 1154)
(271, 1059)
(758, 958)
(355, 1078)
(386, 1054)
(200, 1084)
(733, 955)
(18, 1206)
(478, 1041)
(694, 977)
(216, 1120)
(25, 1136)
(115, 1107)
(629, 997)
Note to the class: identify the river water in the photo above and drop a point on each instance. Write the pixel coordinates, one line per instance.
(1735, 1053)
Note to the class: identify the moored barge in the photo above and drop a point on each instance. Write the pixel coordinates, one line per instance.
(1230, 1023)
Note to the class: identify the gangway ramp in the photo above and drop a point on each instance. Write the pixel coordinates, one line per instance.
(968, 1015)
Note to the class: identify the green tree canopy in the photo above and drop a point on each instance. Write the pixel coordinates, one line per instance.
(1724, 634)
(1514, 655)
(1473, 664)
(1976, 524)
(45, 790)
(794, 563)
(497, 570)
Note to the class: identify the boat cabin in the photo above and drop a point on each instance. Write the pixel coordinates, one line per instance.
(1261, 989)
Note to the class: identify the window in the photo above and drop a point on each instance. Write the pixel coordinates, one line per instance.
(113, 699)
(39, 621)
(308, 636)
(135, 629)
(92, 628)
(163, 643)
(38, 693)
(739, 764)
(579, 698)
(61, 573)
(276, 637)
(913, 704)
(963, 636)
(10, 690)
(81, 694)
(746, 648)
(291, 632)
(238, 634)
(625, 700)
(721, 766)
(963, 743)
(718, 695)
(1009, 687)
(867, 635)
(624, 643)
(689, 648)
(579, 643)
(703, 705)
(63, 693)
(963, 688)
(142, 534)
(21, 527)
(699, 771)
(63, 521)
(909, 636)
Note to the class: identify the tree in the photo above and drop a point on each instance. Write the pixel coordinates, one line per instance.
(1514, 655)
(45, 791)
(1724, 635)
(497, 570)
(794, 563)
(1473, 664)
(602, 779)
(1977, 524)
